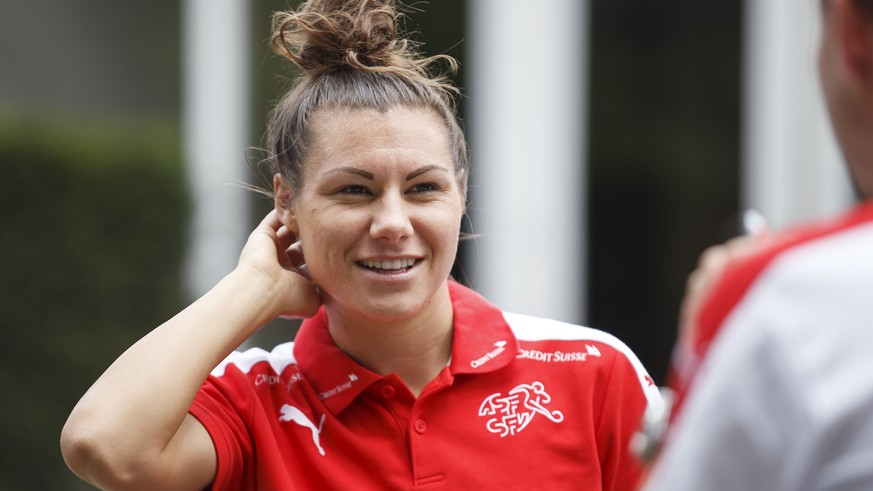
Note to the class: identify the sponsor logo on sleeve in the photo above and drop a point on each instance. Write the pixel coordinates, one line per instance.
(558, 356)
(273, 379)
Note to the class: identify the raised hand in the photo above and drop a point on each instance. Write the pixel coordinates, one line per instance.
(275, 259)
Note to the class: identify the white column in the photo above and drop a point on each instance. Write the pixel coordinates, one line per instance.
(527, 82)
(792, 169)
(215, 129)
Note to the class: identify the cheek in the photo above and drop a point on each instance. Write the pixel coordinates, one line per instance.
(320, 240)
(328, 236)
(444, 231)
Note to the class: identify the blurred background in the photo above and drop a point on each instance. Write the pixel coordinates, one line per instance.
(611, 142)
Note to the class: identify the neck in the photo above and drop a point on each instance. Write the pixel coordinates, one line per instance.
(416, 349)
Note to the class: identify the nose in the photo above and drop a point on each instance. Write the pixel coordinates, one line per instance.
(391, 218)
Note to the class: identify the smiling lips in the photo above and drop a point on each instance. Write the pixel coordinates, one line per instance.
(389, 265)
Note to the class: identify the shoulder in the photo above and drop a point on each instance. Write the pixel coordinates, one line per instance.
(807, 315)
(814, 253)
(537, 329)
(819, 280)
(832, 258)
(280, 358)
(555, 342)
(247, 379)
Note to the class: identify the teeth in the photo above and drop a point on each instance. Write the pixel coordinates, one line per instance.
(389, 265)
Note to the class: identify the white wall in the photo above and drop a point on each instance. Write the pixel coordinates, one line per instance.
(527, 90)
(792, 170)
(215, 128)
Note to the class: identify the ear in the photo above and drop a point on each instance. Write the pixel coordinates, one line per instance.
(283, 197)
(855, 38)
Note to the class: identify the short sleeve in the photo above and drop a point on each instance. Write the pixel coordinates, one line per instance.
(219, 406)
(624, 403)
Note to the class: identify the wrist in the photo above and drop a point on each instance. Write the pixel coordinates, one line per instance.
(247, 295)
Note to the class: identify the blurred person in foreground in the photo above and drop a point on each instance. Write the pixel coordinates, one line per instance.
(774, 366)
(399, 378)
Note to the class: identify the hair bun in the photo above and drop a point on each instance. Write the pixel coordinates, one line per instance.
(325, 35)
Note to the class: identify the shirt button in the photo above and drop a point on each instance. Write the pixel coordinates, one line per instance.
(420, 426)
(387, 391)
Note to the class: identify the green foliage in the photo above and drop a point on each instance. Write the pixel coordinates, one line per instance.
(93, 219)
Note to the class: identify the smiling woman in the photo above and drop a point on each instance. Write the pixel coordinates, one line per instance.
(378, 215)
(399, 377)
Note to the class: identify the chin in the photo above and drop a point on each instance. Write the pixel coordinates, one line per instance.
(386, 310)
(388, 307)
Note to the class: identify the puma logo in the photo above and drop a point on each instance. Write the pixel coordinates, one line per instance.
(291, 413)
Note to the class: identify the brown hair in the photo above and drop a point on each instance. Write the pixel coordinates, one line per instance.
(353, 57)
(866, 6)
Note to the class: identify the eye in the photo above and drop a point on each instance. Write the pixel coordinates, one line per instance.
(353, 189)
(424, 187)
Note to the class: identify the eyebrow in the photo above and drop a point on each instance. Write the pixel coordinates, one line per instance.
(354, 170)
(412, 175)
(369, 175)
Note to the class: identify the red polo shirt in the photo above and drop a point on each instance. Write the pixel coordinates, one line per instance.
(525, 403)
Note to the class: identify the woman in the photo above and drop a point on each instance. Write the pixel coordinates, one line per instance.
(399, 378)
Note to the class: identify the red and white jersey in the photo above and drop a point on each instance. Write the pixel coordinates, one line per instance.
(734, 285)
(525, 403)
(781, 394)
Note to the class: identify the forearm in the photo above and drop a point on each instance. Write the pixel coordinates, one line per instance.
(135, 408)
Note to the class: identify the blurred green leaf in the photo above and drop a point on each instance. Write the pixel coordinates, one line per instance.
(93, 219)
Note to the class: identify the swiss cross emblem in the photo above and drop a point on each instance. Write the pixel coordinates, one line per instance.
(510, 413)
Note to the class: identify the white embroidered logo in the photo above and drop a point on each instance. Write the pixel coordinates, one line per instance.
(511, 413)
(339, 388)
(499, 347)
(291, 413)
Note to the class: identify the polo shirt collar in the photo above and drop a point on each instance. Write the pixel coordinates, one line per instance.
(482, 342)
(335, 376)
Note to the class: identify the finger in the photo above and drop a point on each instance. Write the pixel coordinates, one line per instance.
(285, 237)
(308, 303)
(295, 252)
(713, 257)
(695, 281)
(297, 262)
(303, 271)
(271, 221)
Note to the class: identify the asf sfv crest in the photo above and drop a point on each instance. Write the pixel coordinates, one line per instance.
(510, 413)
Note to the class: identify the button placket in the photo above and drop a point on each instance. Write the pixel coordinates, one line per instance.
(427, 470)
(387, 391)
(420, 426)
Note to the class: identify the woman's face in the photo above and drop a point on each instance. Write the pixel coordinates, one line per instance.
(379, 210)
